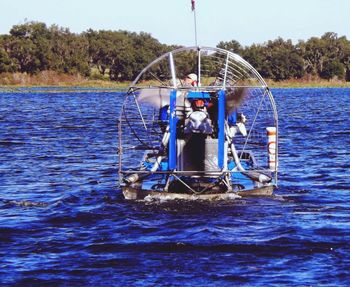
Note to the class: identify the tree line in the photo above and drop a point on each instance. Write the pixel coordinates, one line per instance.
(120, 55)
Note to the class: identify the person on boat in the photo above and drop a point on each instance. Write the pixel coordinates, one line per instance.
(191, 80)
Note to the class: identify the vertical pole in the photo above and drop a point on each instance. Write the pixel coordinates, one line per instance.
(195, 27)
(221, 129)
(120, 150)
(199, 68)
(173, 120)
(172, 127)
(225, 75)
(172, 69)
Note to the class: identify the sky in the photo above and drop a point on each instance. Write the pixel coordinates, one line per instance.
(172, 21)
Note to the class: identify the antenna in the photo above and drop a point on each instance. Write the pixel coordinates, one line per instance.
(193, 7)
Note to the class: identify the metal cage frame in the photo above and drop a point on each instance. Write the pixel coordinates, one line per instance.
(235, 69)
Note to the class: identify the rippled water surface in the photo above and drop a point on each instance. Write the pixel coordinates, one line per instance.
(64, 222)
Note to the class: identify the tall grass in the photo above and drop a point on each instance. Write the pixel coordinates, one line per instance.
(52, 78)
(308, 81)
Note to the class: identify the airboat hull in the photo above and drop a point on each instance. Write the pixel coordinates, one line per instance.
(131, 193)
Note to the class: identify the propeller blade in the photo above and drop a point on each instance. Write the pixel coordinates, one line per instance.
(234, 98)
(155, 97)
(160, 97)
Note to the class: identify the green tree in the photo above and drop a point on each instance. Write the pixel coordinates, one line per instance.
(32, 47)
(29, 44)
(7, 64)
(326, 55)
(232, 46)
(70, 52)
(121, 53)
(345, 57)
(101, 49)
(277, 60)
(254, 54)
(331, 69)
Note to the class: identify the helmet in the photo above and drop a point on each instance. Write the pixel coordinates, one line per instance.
(193, 77)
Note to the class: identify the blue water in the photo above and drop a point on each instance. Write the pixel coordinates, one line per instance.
(64, 222)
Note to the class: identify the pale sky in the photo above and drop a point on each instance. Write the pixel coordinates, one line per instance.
(171, 21)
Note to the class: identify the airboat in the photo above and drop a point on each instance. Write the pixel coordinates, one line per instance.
(216, 138)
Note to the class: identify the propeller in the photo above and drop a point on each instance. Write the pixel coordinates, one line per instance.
(159, 97)
(234, 98)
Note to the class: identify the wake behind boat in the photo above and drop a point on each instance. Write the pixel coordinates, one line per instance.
(198, 123)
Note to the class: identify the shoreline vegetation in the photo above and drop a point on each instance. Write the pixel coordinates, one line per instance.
(33, 54)
(54, 79)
